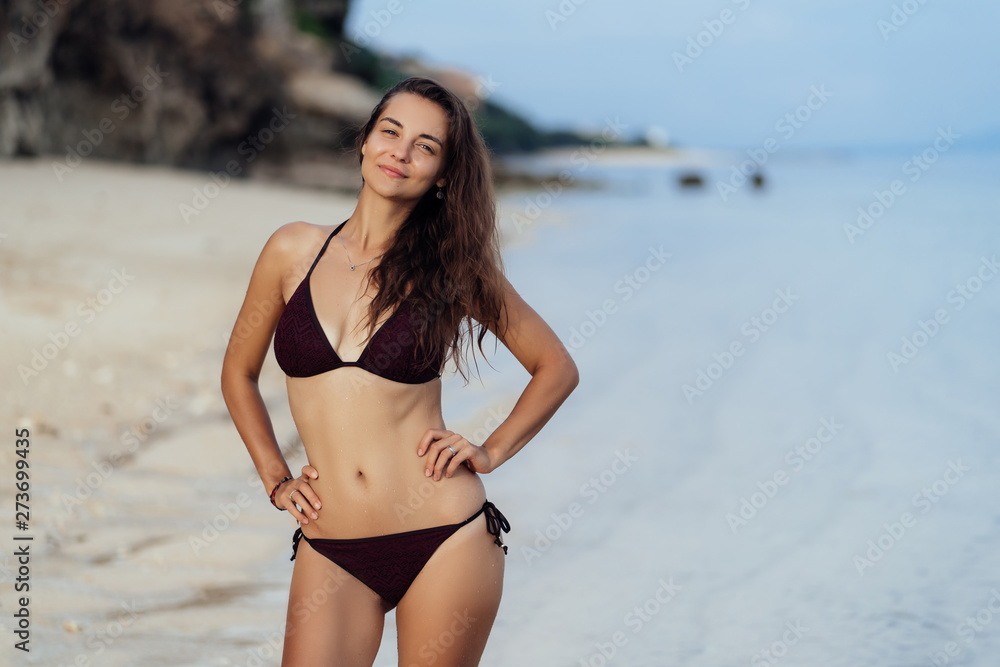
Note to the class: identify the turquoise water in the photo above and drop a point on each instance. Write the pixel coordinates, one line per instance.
(811, 423)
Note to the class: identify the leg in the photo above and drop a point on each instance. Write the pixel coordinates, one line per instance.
(446, 615)
(333, 619)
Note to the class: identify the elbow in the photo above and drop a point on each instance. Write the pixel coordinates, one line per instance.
(225, 385)
(225, 377)
(568, 369)
(572, 374)
(564, 368)
(231, 377)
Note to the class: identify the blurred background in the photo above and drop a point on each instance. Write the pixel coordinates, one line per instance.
(767, 232)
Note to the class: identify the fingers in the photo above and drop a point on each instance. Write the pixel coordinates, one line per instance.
(285, 500)
(311, 497)
(296, 494)
(441, 452)
(435, 459)
(441, 460)
(293, 506)
(464, 454)
(430, 436)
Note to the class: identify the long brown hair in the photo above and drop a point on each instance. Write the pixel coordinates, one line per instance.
(447, 249)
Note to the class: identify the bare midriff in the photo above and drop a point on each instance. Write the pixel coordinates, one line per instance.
(361, 432)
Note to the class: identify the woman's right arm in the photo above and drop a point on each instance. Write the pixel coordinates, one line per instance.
(248, 345)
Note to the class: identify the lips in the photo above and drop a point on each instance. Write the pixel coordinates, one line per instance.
(395, 173)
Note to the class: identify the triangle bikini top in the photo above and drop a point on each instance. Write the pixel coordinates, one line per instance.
(302, 348)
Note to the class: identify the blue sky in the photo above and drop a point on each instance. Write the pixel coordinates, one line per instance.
(616, 59)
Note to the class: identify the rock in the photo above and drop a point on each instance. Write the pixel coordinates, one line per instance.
(331, 94)
(152, 81)
(691, 180)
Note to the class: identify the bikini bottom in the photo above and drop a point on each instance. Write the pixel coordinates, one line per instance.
(388, 564)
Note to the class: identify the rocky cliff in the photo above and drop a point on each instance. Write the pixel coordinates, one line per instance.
(201, 84)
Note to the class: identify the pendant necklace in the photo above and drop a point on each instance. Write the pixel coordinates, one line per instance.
(349, 255)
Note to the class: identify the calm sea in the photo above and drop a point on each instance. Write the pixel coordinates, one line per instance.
(783, 449)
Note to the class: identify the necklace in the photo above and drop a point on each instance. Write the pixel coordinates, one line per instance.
(349, 256)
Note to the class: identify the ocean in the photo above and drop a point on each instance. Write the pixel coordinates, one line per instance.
(783, 449)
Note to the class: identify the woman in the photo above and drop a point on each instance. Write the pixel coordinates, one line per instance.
(418, 259)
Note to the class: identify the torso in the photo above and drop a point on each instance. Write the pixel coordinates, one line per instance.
(360, 430)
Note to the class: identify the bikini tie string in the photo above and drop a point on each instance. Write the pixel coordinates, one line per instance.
(295, 542)
(495, 522)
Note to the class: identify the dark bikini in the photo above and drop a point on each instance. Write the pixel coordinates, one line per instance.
(387, 564)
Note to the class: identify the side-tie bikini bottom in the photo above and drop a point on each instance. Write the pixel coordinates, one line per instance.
(388, 564)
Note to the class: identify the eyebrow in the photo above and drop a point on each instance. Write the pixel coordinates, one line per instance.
(425, 135)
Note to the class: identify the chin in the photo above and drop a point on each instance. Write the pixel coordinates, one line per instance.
(396, 194)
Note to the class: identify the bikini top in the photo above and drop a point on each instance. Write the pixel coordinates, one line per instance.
(302, 348)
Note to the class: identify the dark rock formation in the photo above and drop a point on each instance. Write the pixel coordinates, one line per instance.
(691, 180)
(187, 83)
(167, 82)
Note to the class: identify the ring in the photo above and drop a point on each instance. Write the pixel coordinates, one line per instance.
(292, 493)
(453, 452)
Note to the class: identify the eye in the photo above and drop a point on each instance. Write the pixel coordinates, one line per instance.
(427, 146)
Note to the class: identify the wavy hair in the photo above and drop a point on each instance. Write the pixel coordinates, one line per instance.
(447, 250)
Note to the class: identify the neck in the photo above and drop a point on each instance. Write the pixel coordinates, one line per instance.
(374, 223)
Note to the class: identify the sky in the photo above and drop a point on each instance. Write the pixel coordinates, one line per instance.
(718, 74)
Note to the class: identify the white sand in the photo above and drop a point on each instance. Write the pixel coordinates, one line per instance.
(133, 454)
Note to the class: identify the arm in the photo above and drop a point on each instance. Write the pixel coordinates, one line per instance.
(554, 375)
(248, 345)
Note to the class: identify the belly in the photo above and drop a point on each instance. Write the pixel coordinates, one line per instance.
(361, 433)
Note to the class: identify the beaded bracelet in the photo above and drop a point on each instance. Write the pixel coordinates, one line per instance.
(275, 490)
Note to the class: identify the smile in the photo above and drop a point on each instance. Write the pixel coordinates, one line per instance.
(392, 172)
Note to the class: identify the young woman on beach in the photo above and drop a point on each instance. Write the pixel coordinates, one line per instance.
(362, 337)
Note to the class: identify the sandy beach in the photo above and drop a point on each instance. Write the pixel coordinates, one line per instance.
(151, 530)
(152, 534)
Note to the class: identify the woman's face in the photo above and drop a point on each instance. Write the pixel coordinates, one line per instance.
(404, 154)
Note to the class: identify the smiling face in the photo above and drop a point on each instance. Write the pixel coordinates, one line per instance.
(403, 156)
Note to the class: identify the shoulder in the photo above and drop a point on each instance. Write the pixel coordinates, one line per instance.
(286, 254)
(293, 241)
(292, 237)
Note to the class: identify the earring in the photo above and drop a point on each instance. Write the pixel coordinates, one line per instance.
(440, 193)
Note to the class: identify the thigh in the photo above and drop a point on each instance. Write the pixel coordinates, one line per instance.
(332, 617)
(446, 615)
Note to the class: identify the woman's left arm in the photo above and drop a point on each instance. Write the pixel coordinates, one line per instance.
(554, 375)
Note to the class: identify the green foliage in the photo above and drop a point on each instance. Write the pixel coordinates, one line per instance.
(506, 132)
(309, 24)
(376, 70)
